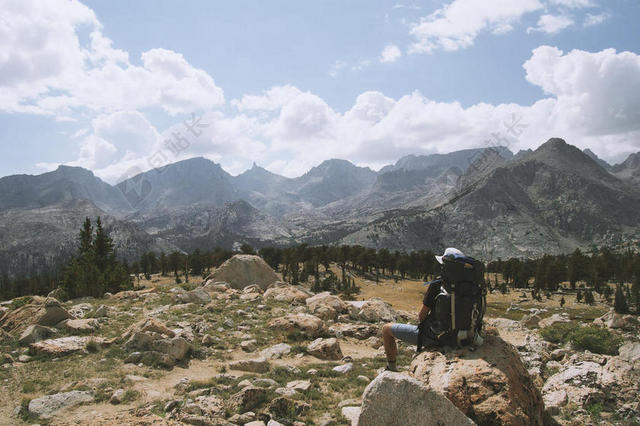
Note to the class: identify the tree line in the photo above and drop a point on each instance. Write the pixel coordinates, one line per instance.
(95, 269)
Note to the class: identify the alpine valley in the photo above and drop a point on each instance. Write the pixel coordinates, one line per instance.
(485, 201)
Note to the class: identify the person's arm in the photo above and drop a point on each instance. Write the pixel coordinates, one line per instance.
(423, 313)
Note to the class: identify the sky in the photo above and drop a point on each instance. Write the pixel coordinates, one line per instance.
(120, 87)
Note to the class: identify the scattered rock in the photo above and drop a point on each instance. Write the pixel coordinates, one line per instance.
(375, 310)
(45, 407)
(248, 398)
(80, 310)
(243, 270)
(24, 358)
(35, 333)
(614, 320)
(344, 368)
(630, 352)
(249, 345)
(490, 385)
(208, 340)
(357, 331)
(530, 321)
(325, 349)
(256, 365)
(555, 400)
(283, 407)
(199, 296)
(553, 319)
(299, 385)
(309, 324)
(81, 325)
(64, 345)
(286, 293)
(583, 384)
(148, 325)
(397, 399)
(47, 312)
(363, 379)
(352, 414)
(276, 351)
(101, 312)
(326, 306)
(117, 397)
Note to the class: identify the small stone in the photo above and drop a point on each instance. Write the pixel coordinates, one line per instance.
(363, 379)
(208, 340)
(244, 383)
(256, 365)
(102, 312)
(344, 369)
(171, 405)
(299, 385)
(276, 351)
(117, 396)
(249, 345)
(312, 371)
(24, 358)
(285, 391)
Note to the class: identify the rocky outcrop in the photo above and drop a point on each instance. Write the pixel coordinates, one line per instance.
(311, 325)
(47, 312)
(243, 270)
(256, 365)
(490, 385)
(395, 399)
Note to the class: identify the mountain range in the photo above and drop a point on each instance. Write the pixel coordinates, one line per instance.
(486, 201)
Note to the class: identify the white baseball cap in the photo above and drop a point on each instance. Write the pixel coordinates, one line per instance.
(449, 252)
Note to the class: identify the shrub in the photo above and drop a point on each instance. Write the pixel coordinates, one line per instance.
(597, 340)
(594, 339)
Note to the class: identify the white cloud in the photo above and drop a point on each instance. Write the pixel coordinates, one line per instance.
(597, 93)
(45, 69)
(593, 100)
(591, 20)
(573, 4)
(390, 53)
(552, 24)
(456, 25)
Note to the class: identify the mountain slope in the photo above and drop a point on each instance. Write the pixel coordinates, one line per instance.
(64, 184)
(551, 200)
(629, 170)
(188, 182)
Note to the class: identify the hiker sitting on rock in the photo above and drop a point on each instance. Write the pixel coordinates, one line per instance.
(458, 291)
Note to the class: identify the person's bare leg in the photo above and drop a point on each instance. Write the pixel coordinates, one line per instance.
(390, 347)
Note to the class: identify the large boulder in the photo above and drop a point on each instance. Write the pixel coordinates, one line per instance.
(45, 407)
(311, 325)
(582, 383)
(83, 325)
(397, 399)
(243, 270)
(47, 312)
(490, 385)
(152, 342)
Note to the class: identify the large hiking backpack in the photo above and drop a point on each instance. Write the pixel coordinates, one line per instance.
(459, 308)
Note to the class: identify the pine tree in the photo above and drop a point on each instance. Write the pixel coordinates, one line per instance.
(103, 246)
(86, 238)
(562, 302)
(620, 303)
(579, 296)
(588, 297)
(635, 293)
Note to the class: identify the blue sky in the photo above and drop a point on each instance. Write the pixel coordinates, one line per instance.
(288, 84)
